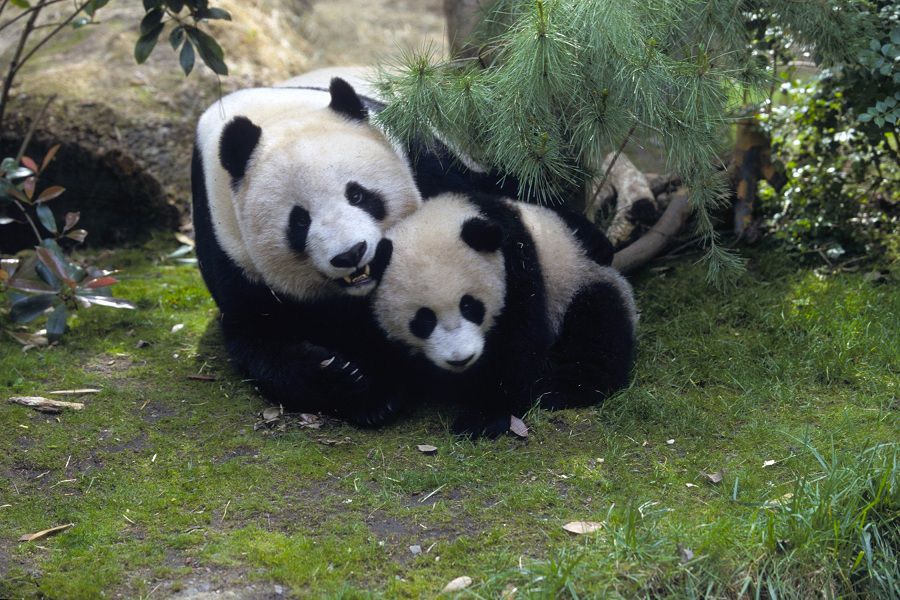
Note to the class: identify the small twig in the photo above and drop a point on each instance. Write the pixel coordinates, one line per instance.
(436, 490)
(24, 13)
(612, 164)
(15, 63)
(33, 127)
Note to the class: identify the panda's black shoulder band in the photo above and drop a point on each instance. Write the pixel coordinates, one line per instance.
(239, 139)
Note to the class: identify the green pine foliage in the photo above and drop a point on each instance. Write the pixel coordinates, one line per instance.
(557, 84)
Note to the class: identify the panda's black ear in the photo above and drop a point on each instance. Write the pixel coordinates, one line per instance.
(239, 139)
(482, 235)
(345, 101)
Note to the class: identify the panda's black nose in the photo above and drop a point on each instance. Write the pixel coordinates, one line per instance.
(350, 258)
(461, 363)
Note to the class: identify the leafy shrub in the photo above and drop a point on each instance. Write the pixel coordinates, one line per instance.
(840, 140)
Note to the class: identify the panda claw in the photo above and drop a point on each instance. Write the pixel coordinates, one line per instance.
(346, 364)
(326, 363)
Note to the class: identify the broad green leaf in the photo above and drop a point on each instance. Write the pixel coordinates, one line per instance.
(146, 43)
(182, 251)
(29, 163)
(895, 35)
(209, 50)
(186, 58)
(45, 216)
(21, 3)
(56, 262)
(865, 117)
(105, 301)
(31, 307)
(51, 153)
(71, 220)
(50, 193)
(56, 323)
(151, 20)
(214, 13)
(77, 234)
(176, 37)
(151, 4)
(19, 173)
(95, 5)
(175, 5)
(98, 282)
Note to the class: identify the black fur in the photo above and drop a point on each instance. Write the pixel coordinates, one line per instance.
(291, 348)
(472, 309)
(345, 101)
(368, 200)
(482, 235)
(239, 139)
(423, 323)
(595, 243)
(594, 354)
(298, 229)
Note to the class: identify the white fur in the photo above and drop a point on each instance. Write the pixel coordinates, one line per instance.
(432, 267)
(306, 156)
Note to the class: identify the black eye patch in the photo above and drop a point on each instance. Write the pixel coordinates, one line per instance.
(298, 228)
(423, 323)
(368, 200)
(472, 309)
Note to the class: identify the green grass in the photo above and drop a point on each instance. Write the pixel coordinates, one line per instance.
(171, 487)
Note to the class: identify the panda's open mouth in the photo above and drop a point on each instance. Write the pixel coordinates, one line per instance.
(357, 278)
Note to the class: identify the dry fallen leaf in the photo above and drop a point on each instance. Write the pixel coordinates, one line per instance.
(715, 478)
(518, 427)
(670, 442)
(184, 239)
(427, 449)
(686, 554)
(45, 405)
(768, 463)
(177, 328)
(310, 420)
(690, 485)
(30, 340)
(582, 527)
(75, 392)
(272, 413)
(30, 537)
(458, 584)
(509, 592)
(415, 549)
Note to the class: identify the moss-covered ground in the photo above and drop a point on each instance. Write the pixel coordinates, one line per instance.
(173, 490)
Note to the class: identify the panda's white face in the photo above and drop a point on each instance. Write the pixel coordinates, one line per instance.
(310, 187)
(438, 295)
(318, 223)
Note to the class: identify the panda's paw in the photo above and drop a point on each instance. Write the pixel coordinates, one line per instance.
(375, 414)
(341, 377)
(474, 425)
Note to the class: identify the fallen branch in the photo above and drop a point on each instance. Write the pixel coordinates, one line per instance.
(45, 405)
(635, 201)
(655, 240)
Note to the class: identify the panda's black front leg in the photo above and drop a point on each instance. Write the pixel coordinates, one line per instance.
(486, 412)
(302, 376)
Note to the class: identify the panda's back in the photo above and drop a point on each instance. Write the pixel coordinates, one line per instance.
(565, 264)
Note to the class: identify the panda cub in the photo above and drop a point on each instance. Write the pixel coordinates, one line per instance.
(509, 302)
(292, 191)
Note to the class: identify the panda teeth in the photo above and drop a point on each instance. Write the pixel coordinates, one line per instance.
(359, 277)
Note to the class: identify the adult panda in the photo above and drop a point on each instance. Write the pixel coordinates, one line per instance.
(502, 302)
(292, 191)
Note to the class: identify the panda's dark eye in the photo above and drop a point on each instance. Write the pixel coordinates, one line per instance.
(472, 309)
(423, 323)
(298, 228)
(368, 200)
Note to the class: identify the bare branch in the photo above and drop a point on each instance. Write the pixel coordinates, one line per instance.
(654, 241)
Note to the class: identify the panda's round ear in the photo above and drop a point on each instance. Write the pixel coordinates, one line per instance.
(345, 101)
(482, 235)
(239, 139)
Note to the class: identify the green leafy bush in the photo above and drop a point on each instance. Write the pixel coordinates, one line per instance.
(838, 135)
